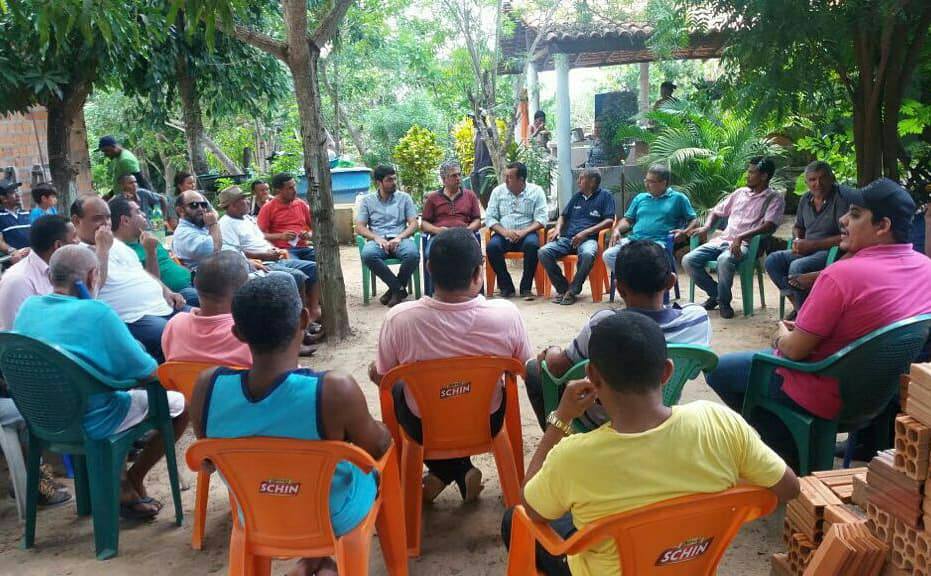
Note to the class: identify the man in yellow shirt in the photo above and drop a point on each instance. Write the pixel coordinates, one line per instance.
(646, 453)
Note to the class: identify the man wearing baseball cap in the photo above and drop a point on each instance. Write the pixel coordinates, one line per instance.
(883, 281)
(14, 223)
(122, 161)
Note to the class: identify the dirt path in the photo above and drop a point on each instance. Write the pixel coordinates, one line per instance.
(458, 540)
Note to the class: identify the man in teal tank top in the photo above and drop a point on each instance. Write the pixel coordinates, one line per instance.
(277, 398)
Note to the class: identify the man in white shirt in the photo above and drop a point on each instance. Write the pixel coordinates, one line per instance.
(140, 299)
(29, 276)
(241, 233)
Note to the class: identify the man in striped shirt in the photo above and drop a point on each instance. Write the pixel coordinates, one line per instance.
(643, 277)
(14, 223)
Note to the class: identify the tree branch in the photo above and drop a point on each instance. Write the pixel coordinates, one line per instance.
(213, 147)
(327, 27)
(263, 42)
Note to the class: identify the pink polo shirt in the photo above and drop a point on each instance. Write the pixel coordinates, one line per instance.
(190, 337)
(28, 277)
(876, 287)
(428, 329)
(744, 212)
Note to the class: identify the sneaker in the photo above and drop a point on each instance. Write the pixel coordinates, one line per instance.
(432, 487)
(397, 298)
(727, 312)
(471, 485)
(568, 299)
(51, 493)
(710, 304)
(557, 299)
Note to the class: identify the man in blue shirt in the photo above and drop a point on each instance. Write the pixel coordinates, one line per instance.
(387, 219)
(198, 233)
(653, 215)
(63, 318)
(588, 212)
(14, 223)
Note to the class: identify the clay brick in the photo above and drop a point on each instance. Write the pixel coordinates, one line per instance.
(912, 440)
(779, 565)
(858, 496)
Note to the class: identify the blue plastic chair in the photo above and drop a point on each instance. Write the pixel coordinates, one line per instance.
(51, 388)
(867, 371)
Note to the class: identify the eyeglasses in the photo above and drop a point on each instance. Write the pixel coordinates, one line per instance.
(195, 205)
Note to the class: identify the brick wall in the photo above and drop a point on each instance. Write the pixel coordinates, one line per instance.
(23, 146)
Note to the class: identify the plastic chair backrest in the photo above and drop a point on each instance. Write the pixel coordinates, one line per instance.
(50, 387)
(181, 376)
(454, 396)
(868, 369)
(281, 487)
(687, 535)
(689, 360)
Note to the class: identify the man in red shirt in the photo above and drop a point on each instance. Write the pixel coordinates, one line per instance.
(285, 219)
(452, 206)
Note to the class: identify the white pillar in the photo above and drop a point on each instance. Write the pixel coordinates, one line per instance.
(563, 122)
(533, 89)
(644, 87)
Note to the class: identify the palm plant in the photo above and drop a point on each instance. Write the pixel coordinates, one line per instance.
(706, 152)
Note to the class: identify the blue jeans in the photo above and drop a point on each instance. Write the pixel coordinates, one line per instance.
(499, 245)
(307, 267)
(148, 331)
(190, 296)
(782, 265)
(374, 257)
(560, 247)
(305, 253)
(694, 262)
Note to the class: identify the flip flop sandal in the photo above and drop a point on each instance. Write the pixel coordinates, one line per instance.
(129, 511)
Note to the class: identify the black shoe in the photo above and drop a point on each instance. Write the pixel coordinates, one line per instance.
(861, 452)
(792, 315)
(397, 298)
(385, 297)
(506, 293)
(727, 312)
(526, 294)
(710, 304)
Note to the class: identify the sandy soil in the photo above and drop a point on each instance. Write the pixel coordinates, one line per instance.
(458, 540)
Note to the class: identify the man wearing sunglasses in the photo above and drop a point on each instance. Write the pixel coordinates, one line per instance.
(198, 234)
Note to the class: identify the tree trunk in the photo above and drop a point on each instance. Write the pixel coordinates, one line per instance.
(191, 114)
(302, 61)
(228, 163)
(62, 114)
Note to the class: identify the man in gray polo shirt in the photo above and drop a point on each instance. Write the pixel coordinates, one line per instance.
(387, 219)
(816, 230)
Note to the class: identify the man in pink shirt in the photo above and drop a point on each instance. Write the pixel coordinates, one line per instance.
(884, 281)
(29, 276)
(205, 334)
(754, 209)
(456, 321)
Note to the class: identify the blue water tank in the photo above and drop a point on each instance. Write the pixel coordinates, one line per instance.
(347, 183)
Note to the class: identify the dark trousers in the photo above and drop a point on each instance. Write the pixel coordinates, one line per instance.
(533, 381)
(498, 245)
(453, 469)
(303, 253)
(546, 562)
(190, 296)
(148, 330)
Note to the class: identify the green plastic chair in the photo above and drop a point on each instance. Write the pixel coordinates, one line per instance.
(832, 256)
(752, 261)
(868, 371)
(369, 280)
(689, 360)
(51, 388)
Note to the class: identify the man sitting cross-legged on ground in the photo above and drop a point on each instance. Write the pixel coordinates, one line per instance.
(646, 453)
(93, 332)
(643, 277)
(129, 225)
(138, 297)
(456, 321)
(205, 334)
(884, 281)
(588, 212)
(276, 398)
(387, 219)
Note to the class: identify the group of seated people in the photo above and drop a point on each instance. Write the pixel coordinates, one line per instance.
(253, 326)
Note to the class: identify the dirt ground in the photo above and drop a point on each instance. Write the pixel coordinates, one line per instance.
(458, 540)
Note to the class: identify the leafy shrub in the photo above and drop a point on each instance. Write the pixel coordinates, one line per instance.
(418, 155)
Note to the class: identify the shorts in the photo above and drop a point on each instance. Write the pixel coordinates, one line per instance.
(139, 408)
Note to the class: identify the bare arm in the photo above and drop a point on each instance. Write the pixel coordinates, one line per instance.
(196, 408)
(430, 228)
(793, 342)
(787, 487)
(347, 418)
(474, 225)
(409, 231)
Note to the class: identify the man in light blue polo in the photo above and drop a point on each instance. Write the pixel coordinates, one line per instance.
(516, 210)
(653, 215)
(387, 219)
(198, 233)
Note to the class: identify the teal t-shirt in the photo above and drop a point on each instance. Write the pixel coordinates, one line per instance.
(93, 332)
(654, 218)
(37, 213)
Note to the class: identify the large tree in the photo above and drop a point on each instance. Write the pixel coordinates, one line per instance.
(778, 48)
(299, 50)
(54, 52)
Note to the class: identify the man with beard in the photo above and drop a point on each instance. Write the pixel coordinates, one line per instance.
(198, 233)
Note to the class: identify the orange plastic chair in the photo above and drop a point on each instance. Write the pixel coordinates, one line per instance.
(539, 276)
(280, 488)
(598, 278)
(684, 536)
(181, 377)
(454, 395)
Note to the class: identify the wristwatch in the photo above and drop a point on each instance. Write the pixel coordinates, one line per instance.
(556, 422)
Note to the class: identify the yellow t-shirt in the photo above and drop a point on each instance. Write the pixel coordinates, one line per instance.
(703, 447)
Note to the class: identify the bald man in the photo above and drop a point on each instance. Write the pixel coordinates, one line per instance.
(198, 234)
(63, 318)
(140, 299)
